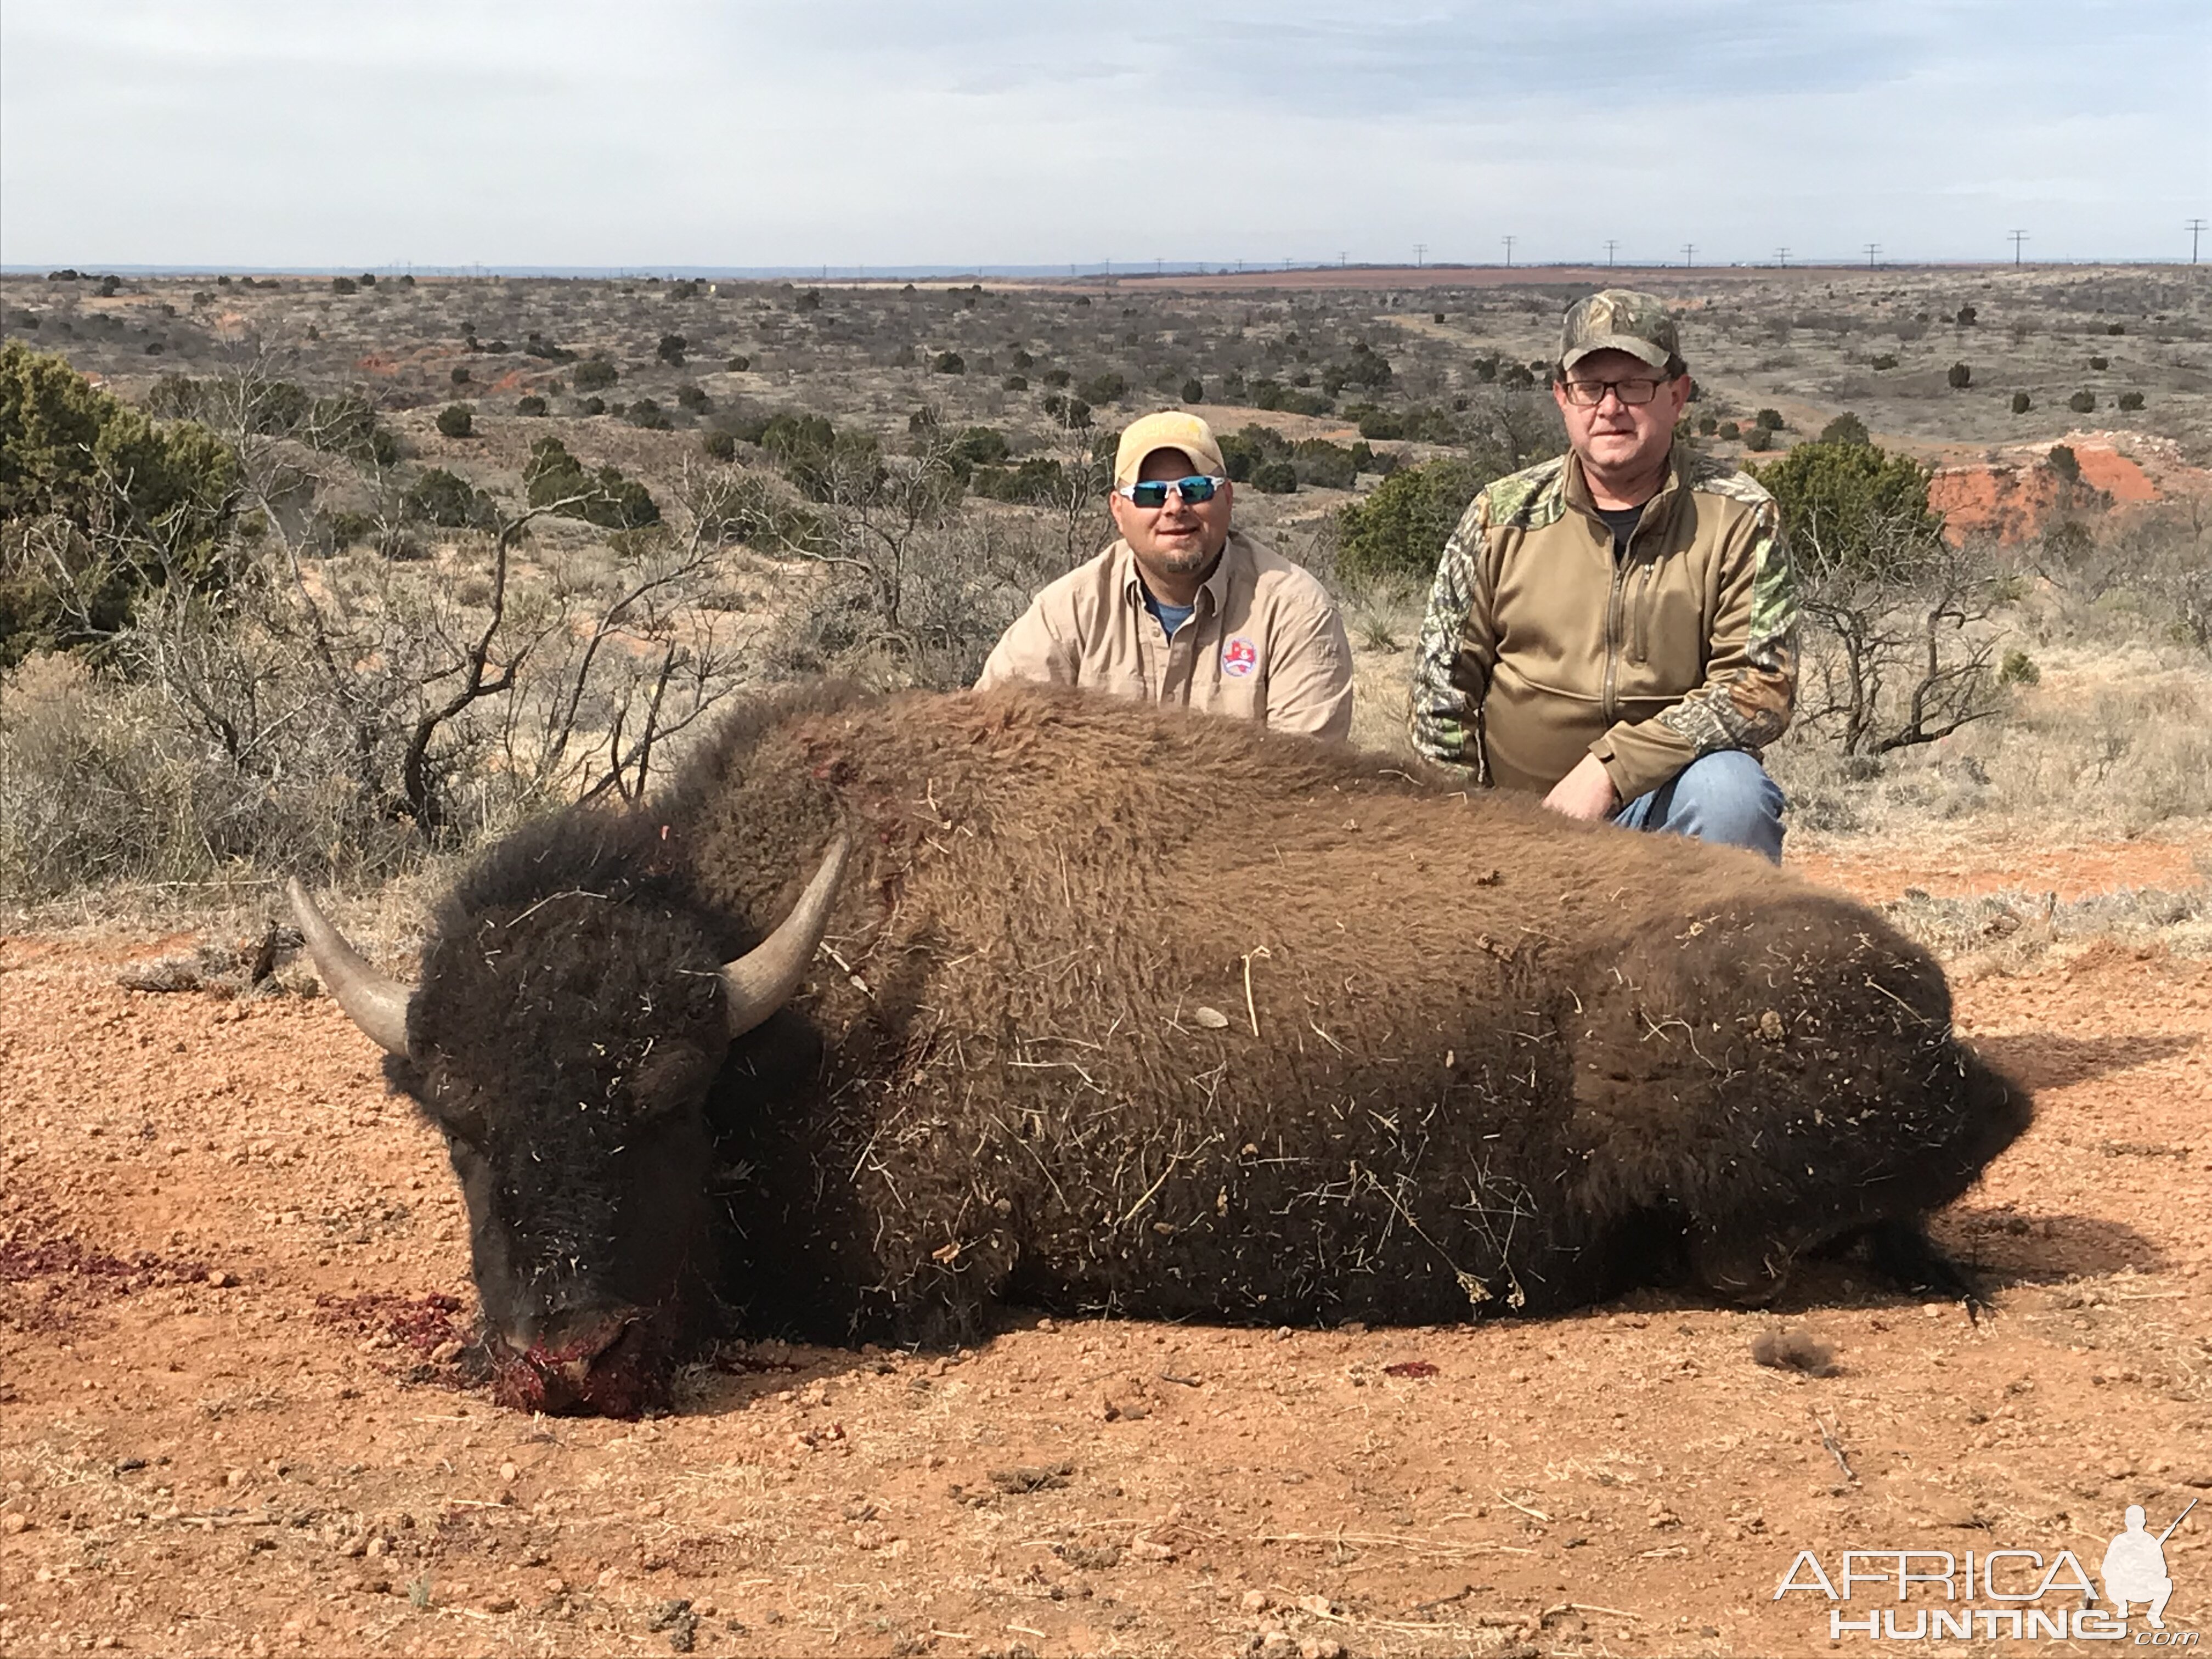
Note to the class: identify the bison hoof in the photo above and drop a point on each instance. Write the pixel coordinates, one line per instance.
(1902, 1253)
(1745, 1275)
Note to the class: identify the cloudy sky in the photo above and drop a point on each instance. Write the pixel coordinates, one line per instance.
(662, 133)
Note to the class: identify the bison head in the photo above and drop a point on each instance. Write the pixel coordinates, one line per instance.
(565, 1044)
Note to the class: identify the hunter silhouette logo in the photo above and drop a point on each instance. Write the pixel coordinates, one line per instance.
(1894, 1594)
(2135, 1567)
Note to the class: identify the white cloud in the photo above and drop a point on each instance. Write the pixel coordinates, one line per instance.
(883, 131)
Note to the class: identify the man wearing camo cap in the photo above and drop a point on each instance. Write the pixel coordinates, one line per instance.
(1616, 631)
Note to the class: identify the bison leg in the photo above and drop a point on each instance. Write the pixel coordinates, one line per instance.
(1901, 1253)
(1744, 1273)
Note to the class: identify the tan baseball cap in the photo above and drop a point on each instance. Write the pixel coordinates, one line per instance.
(1619, 320)
(1170, 428)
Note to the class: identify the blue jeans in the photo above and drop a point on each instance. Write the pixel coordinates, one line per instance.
(1725, 796)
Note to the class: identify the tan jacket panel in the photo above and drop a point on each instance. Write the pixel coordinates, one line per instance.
(1263, 643)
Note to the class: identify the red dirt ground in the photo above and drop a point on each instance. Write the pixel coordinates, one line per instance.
(234, 1418)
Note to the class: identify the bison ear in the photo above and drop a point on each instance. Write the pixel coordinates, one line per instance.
(375, 1003)
(761, 981)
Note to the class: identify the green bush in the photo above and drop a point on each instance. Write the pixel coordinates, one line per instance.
(719, 446)
(1325, 465)
(694, 399)
(460, 375)
(2062, 460)
(1965, 316)
(1366, 367)
(443, 498)
(2021, 403)
(1728, 431)
(1761, 436)
(648, 413)
(2116, 328)
(1275, 479)
(948, 363)
(980, 446)
(593, 406)
(1108, 388)
(139, 505)
(1015, 383)
(1960, 377)
(594, 375)
(2019, 669)
(1398, 533)
(1885, 360)
(529, 404)
(456, 421)
(670, 350)
(1038, 479)
(738, 365)
(2081, 402)
(2130, 402)
(1843, 503)
(1192, 390)
(1708, 425)
(1845, 428)
(344, 285)
(607, 498)
(1770, 419)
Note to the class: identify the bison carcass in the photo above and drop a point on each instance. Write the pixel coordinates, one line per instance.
(1093, 1008)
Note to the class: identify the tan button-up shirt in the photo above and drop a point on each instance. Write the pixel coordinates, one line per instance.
(1263, 643)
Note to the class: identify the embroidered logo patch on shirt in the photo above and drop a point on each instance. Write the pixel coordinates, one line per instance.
(1239, 657)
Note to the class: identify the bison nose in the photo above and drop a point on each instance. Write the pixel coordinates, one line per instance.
(571, 1338)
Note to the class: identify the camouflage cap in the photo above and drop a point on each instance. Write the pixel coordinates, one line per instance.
(1619, 320)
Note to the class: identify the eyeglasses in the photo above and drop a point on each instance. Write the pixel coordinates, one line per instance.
(1154, 494)
(1588, 394)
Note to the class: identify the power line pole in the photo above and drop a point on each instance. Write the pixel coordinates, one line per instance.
(1689, 254)
(2194, 228)
(1421, 252)
(1340, 258)
(2018, 237)
(1782, 257)
(1508, 241)
(1609, 246)
(1872, 251)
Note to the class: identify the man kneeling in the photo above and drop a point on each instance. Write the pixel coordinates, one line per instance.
(1617, 629)
(1182, 609)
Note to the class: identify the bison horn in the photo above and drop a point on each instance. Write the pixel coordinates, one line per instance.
(761, 981)
(377, 1004)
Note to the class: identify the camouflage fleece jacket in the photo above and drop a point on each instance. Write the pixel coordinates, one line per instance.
(1540, 645)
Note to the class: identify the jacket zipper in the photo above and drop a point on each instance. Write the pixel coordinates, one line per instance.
(1642, 649)
(1613, 617)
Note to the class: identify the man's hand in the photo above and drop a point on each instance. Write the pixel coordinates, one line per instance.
(1585, 792)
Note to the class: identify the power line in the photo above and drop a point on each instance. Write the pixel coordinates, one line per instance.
(2018, 237)
(1782, 257)
(2194, 228)
(1689, 254)
(1508, 241)
(1609, 246)
(1873, 252)
(1421, 252)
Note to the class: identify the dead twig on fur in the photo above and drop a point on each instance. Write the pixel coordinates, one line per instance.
(1250, 1012)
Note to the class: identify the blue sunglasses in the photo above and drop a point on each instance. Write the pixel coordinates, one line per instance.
(1192, 491)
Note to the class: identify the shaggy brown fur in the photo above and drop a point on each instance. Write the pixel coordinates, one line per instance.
(1131, 1010)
